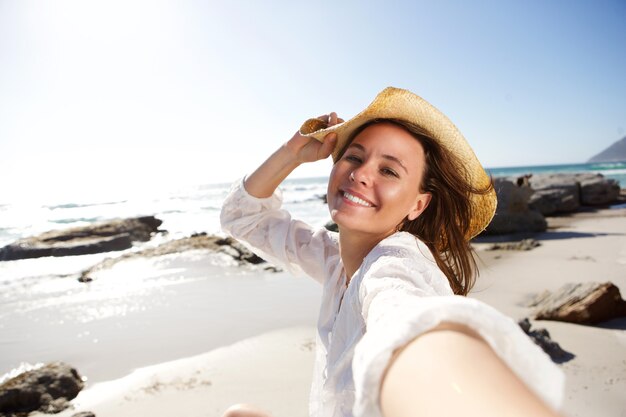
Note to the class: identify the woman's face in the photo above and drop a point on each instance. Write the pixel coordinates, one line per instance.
(376, 183)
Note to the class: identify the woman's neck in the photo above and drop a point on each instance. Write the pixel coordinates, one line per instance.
(353, 248)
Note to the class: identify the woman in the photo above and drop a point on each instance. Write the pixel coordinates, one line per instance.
(396, 336)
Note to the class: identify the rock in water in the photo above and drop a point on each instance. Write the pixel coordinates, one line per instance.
(582, 303)
(113, 235)
(47, 389)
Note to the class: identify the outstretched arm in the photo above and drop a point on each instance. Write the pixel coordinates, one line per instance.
(299, 149)
(450, 371)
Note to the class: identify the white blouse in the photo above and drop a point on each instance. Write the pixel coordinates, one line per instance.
(397, 293)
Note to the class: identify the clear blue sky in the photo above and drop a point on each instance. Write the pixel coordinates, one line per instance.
(92, 92)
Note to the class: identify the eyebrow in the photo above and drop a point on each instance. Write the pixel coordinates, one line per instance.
(388, 157)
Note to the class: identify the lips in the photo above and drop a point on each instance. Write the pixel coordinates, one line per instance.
(356, 199)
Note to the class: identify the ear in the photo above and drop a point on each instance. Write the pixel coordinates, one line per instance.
(420, 205)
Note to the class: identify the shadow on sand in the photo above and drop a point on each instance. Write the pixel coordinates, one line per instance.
(614, 324)
(549, 235)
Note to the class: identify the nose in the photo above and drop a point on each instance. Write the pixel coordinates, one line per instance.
(362, 174)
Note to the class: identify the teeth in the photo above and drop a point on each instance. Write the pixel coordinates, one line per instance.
(356, 199)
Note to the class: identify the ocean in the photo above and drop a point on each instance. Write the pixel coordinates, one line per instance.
(614, 170)
(186, 210)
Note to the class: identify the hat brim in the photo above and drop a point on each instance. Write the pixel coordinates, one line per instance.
(396, 103)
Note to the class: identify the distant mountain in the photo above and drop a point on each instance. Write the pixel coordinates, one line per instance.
(614, 153)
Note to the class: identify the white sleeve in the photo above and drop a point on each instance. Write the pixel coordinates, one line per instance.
(274, 235)
(400, 301)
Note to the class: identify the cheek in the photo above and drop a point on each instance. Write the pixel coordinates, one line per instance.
(336, 174)
(331, 178)
(402, 199)
(395, 194)
(332, 184)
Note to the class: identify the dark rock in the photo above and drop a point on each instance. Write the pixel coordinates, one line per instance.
(513, 214)
(566, 193)
(597, 190)
(542, 338)
(524, 180)
(243, 254)
(582, 303)
(55, 406)
(554, 193)
(331, 226)
(522, 245)
(196, 241)
(554, 201)
(113, 235)
(47, 389)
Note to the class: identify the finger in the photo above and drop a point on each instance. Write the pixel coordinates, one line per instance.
(330, 119)
(328, 145)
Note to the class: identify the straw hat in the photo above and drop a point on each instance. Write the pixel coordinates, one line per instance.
(402, 104)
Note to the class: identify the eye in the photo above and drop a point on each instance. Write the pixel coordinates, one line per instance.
(389, 172)
(353, 158)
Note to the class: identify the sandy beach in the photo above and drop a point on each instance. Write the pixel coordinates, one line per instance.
(198, 347)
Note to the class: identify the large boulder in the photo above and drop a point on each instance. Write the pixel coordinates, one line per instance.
(567, 192)
(595, 190)
(47, 389)
(513, 214)
(112, 235)
(582, 303)
(554, 193)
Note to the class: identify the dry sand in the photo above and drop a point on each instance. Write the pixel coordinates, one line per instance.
(273, 370)
(586, 247)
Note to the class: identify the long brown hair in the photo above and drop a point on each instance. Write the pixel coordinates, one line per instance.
(444, 225)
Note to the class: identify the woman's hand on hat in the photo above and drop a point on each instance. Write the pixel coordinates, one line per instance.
(299, 149)
(307, 149)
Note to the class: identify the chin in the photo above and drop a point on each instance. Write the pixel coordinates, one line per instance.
(340, 220)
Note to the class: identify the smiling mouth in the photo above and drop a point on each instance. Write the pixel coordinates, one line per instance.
(357, 200)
